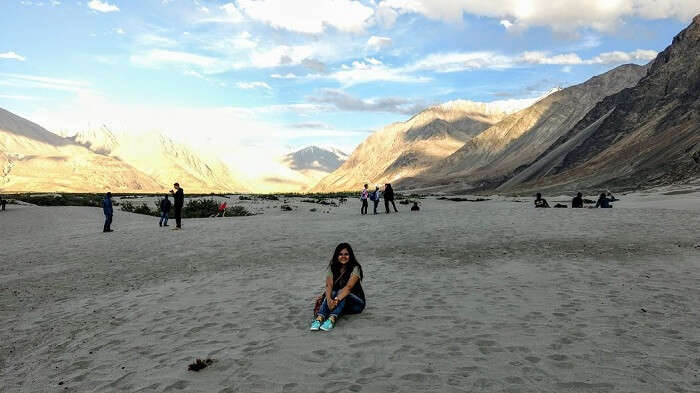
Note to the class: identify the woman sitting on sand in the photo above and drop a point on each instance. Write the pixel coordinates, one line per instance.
(343, 293)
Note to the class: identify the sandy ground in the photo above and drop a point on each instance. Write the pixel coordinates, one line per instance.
(484, 297)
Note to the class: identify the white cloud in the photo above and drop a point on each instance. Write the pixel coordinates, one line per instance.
(462, 61)
(467, 61)
(158, 57)
(42, 82)
(506, 23)
(343, 101)
(560, 15)
(12, 56)
(372, 70)
(253, 85)
(618, 57)
(288, 75)
(378, 43)
(308, 16)
(19, 97)
(100, 6)
(120, 31)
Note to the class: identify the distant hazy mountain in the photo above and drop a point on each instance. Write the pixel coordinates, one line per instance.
(408, 148)
(643, 136)
(163, 159)
(316, 158)
(34, 159)
(488, 159)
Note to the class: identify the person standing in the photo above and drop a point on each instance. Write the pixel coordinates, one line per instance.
(165, 209)
(389, 197)
(363, 198)
(179, 197)
(2, 203)
(108, 211)
(375, 198)
(603, 202)
(577, 202)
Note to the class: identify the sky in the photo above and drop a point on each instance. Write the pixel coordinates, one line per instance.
(250, 79)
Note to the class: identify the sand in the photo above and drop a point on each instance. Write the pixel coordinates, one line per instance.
(483, 297)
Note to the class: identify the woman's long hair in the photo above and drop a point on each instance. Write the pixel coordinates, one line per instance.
(341, 275)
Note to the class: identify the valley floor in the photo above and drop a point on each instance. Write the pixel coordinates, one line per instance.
(487, 297)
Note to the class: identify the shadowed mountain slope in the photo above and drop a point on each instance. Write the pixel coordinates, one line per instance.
(643, 136)
(489, 158)
(407, 148)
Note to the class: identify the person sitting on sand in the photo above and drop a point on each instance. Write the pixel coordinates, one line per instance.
(611, 197)
(343, 294)
(577, 202)
(540, 202)
(603, 202)
(363, 197)
(415, 207)
(165, 209)
(108, 211)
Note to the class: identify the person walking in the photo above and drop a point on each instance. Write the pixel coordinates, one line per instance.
(165, 210)
(374, 197)
(389, 197)
(108, 211)
(363, 198)
(179, 197)
(2, 203)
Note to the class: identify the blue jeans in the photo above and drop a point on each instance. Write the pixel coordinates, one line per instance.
(350, 305)
(164, 218)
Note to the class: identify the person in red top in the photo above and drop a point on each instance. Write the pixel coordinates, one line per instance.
(222, 210)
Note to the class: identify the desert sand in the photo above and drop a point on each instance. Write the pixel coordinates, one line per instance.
(492, 296)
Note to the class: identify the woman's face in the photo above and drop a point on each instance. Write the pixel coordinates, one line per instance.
(344, 256)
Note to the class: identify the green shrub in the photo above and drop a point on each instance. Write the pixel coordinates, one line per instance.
(238, 211)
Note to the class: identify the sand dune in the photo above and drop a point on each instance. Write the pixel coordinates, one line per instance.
(490, 297)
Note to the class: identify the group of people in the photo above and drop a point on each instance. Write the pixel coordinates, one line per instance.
(603, 202)
(375, 196)
(165, 205)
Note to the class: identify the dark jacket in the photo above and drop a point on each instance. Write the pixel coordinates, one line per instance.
(388, 193)
(603, 203)
(107, 206)
(179, 198)
(165, 205)
(577, 202)
(356, 290)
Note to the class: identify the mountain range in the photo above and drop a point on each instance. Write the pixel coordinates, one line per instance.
(632, 127)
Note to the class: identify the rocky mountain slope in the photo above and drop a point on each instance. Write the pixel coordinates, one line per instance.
(34, 159)
(643, 136)
(490, 157)
(163, 159)
(408, 148)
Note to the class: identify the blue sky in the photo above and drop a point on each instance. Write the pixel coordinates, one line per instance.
(269, 75)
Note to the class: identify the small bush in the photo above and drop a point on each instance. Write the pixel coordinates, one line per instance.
(286, 208)
(244, 198)
(238, 211)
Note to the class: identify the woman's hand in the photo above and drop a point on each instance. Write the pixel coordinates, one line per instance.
(333, 303)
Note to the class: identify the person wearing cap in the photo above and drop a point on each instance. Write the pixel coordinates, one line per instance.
(179, 197)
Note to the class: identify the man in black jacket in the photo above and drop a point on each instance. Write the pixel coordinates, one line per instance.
(165, 210)
(179, 197)
(577, 202)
